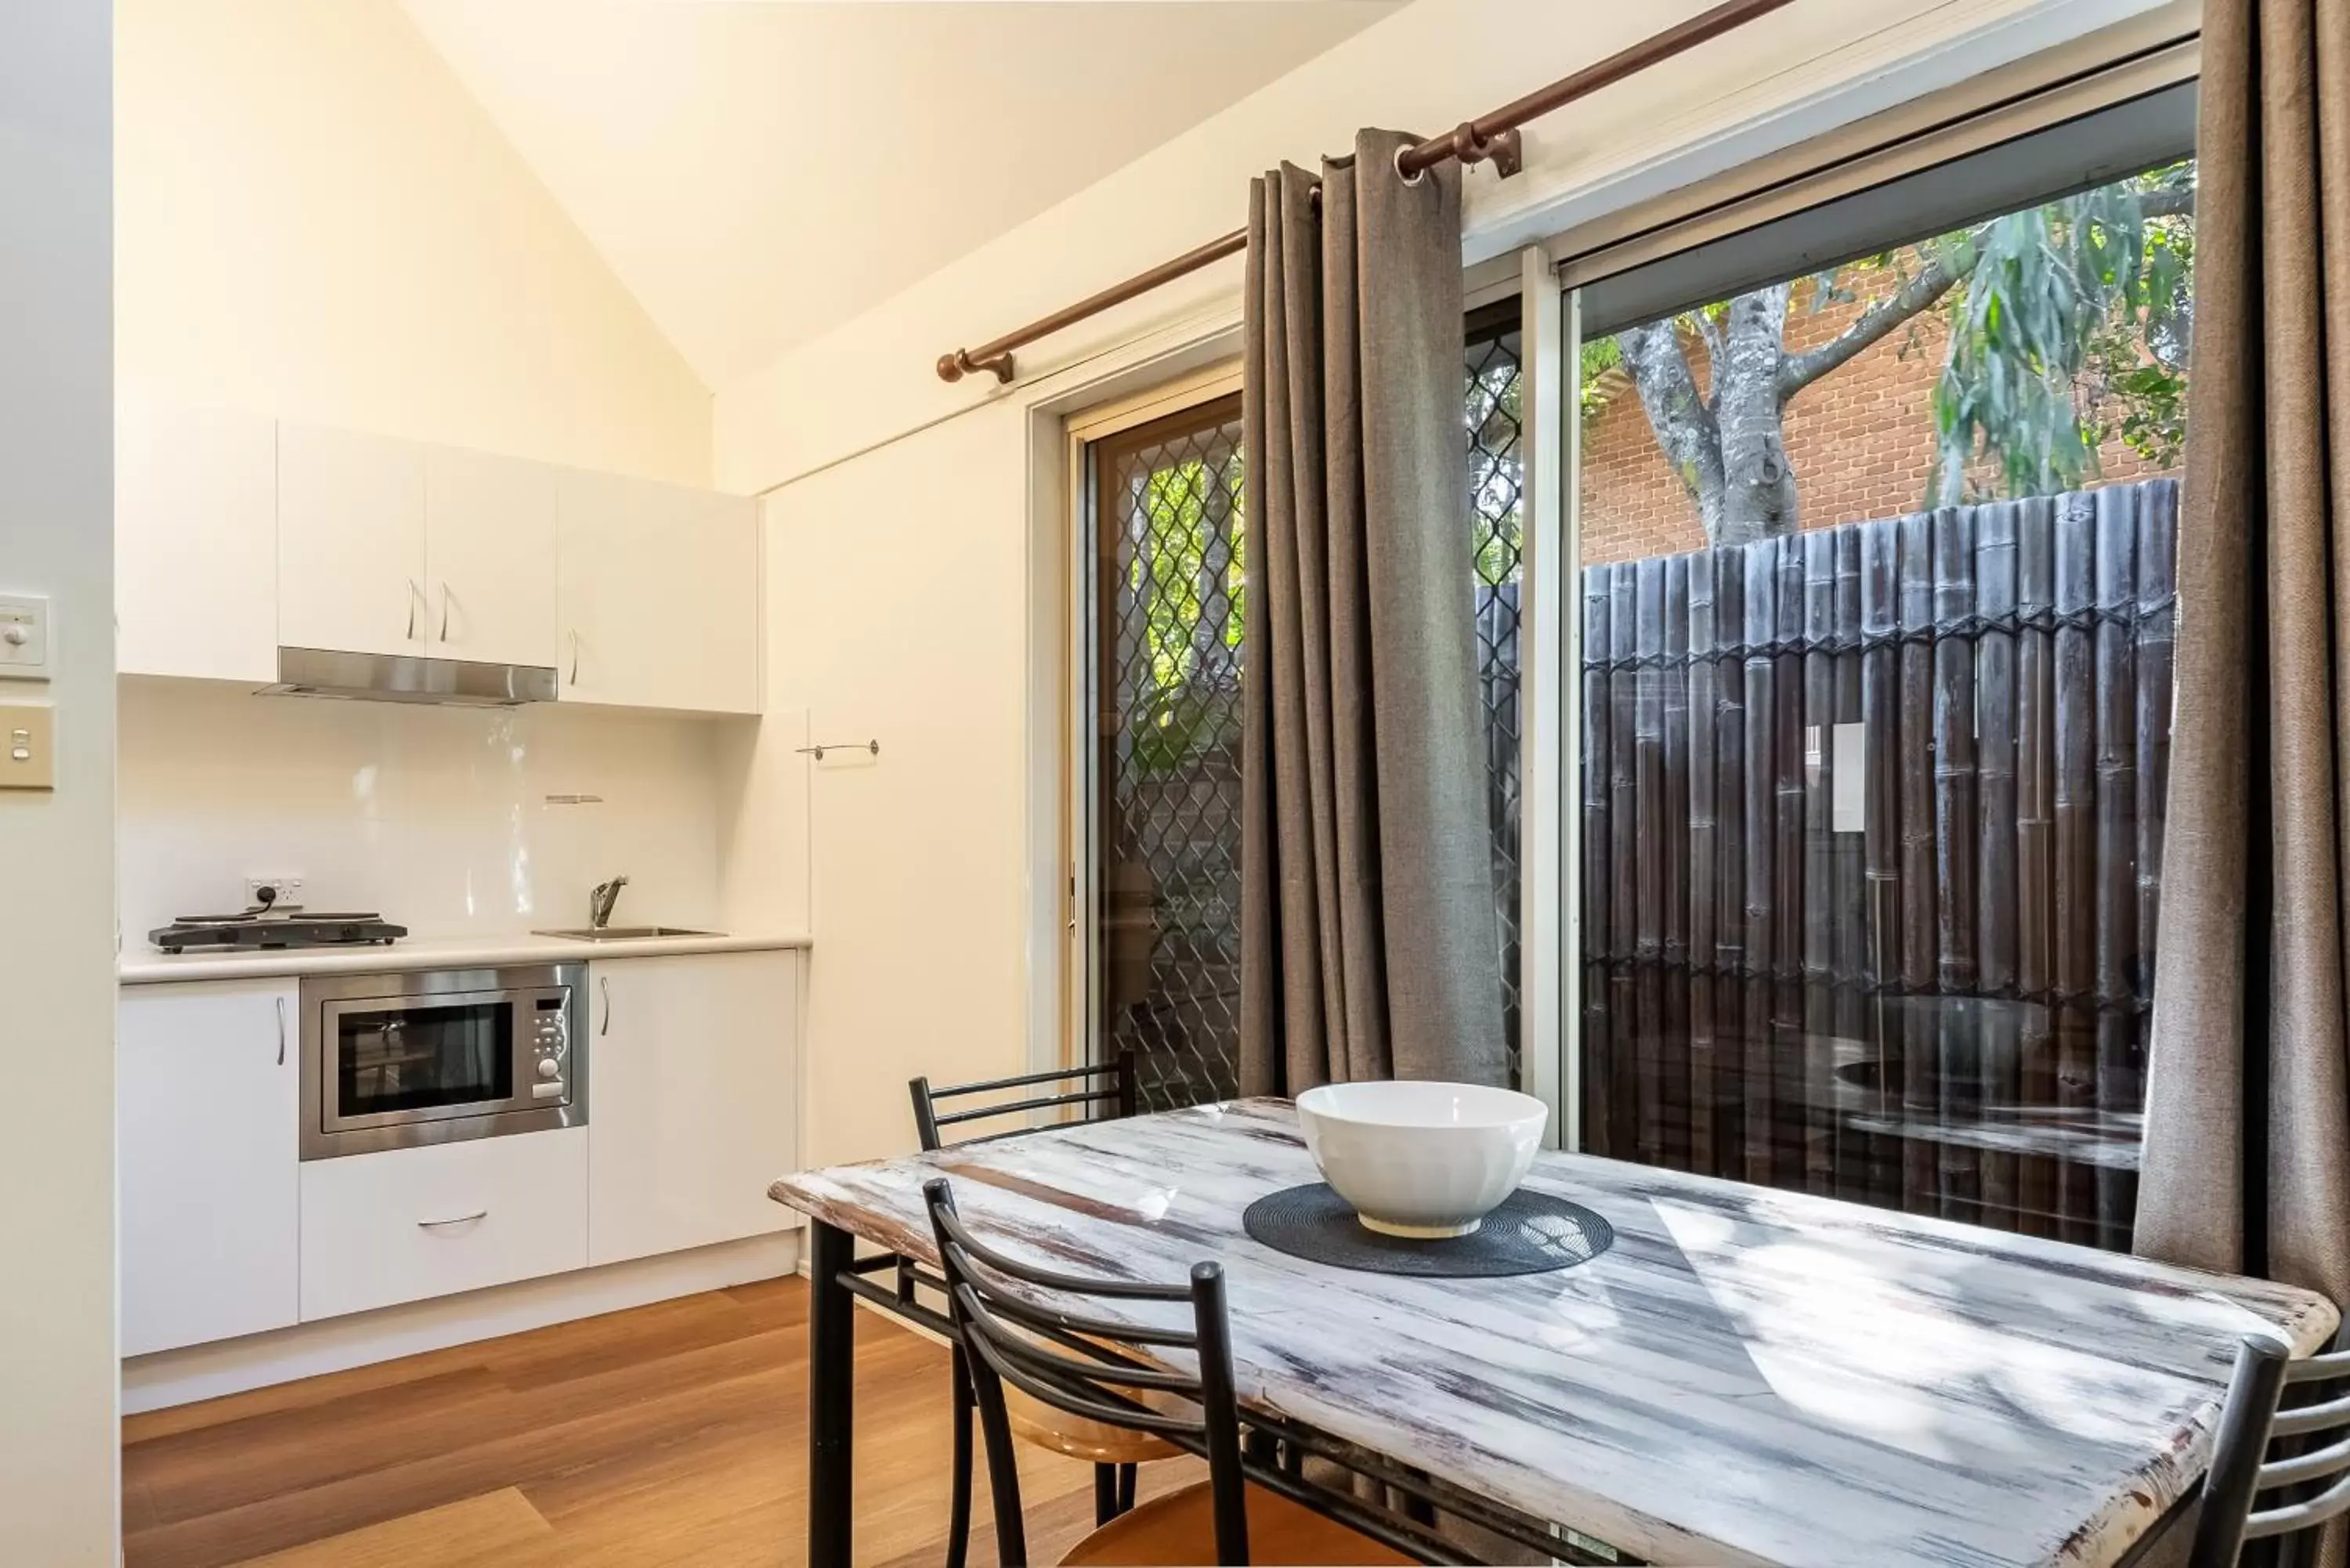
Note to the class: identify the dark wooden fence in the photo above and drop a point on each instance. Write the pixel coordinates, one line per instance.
(1925, 986)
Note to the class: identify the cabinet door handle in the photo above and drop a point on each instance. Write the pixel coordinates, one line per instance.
(444, 612)
(453, 1220)
(575, 658)
(413, 594)
(604, 984)
(281, 1031)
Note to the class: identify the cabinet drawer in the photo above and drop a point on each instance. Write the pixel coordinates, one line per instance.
(406, 1225)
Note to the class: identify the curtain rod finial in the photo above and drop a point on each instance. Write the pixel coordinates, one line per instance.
(954, 366)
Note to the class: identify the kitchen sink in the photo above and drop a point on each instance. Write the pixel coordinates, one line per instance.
(623, 933)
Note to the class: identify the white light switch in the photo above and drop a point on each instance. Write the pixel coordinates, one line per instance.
(27, 753)
(24, 637)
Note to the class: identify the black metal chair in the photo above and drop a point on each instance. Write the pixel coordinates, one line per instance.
(2241, 1470)
(1097, 1370)
(1119, 1092)
(1108, 1086)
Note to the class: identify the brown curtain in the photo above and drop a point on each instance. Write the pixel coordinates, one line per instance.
(1368, 938)
(2248, 1113)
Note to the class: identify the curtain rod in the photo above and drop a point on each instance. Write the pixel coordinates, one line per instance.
(1491, 138)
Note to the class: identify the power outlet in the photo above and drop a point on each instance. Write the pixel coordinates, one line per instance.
(289, 891)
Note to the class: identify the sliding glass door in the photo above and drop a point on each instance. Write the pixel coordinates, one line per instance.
(1874, 618)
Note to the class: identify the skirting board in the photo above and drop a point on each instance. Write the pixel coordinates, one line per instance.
(233, 1365)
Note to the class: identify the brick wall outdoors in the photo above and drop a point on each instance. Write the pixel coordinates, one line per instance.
(1861, 440)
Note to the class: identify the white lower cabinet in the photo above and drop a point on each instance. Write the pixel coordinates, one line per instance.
(206, 1128)
(693, 1100)
(225, 1230)
(405, 1225)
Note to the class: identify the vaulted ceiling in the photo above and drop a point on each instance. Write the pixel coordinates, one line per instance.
(758, 171)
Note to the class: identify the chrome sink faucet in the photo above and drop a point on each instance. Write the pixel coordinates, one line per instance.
(600, 902)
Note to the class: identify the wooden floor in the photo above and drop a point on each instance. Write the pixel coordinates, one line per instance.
(674, 1433)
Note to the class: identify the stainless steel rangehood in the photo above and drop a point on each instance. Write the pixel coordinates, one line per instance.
(403, 678)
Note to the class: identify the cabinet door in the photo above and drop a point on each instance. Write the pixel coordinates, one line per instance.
(489, 557)
(660, 595)
(350, 543)
(696, 1103)
(196, 541)
(209, 1172)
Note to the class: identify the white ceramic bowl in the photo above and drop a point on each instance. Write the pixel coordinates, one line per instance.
(1419, 1159)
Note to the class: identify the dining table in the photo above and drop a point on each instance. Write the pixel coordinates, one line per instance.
(1746, 1375)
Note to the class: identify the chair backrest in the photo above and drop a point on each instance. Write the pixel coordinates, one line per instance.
(1105, 1089)
(1087, 1367)
(2313, 1478)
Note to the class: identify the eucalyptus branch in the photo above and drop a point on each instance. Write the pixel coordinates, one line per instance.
(1926, 285)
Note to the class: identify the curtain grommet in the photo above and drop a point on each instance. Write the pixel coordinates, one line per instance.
(1408, 177)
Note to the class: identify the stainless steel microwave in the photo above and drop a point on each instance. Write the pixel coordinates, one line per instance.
(392, 1061)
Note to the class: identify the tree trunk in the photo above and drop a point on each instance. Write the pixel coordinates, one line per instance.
(1758, 489)
(1728, 449)
(1677, 412)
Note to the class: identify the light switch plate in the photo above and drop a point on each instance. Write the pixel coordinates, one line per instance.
(24, 637)
(27, 753)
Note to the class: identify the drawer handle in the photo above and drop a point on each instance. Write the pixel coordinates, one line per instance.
(460, 1220)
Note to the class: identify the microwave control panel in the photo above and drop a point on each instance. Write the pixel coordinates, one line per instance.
(550, 1042)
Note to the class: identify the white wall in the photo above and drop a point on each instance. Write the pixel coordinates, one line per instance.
(317, 222)
(1431, 65)
(57, 1446)
(906, 624)
(900, 580)
(437, 816)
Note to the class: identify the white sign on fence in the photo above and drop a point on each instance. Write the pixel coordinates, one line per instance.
(1848, 805)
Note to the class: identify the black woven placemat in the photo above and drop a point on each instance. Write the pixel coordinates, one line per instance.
(1531, 1233)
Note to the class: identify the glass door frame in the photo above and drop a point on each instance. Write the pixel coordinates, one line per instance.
(1550, 644)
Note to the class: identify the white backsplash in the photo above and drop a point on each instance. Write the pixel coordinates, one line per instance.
(438, 817)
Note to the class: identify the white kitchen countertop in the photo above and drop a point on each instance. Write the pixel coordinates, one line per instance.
(148, 966)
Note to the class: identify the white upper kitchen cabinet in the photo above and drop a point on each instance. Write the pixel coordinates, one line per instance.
(196, 541)
(350, 543)
(489, 557)
(695, 1099)
(659, 594)
(207, 1117)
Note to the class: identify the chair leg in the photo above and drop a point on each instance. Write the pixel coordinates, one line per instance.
(959, 1515)
(1105, 1494)
(1126, 1489)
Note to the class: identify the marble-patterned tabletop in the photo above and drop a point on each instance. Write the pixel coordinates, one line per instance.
(1747, 1377)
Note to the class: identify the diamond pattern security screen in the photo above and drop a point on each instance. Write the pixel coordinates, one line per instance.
(1171, 552)
(1172, 565)
(1497, 473)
